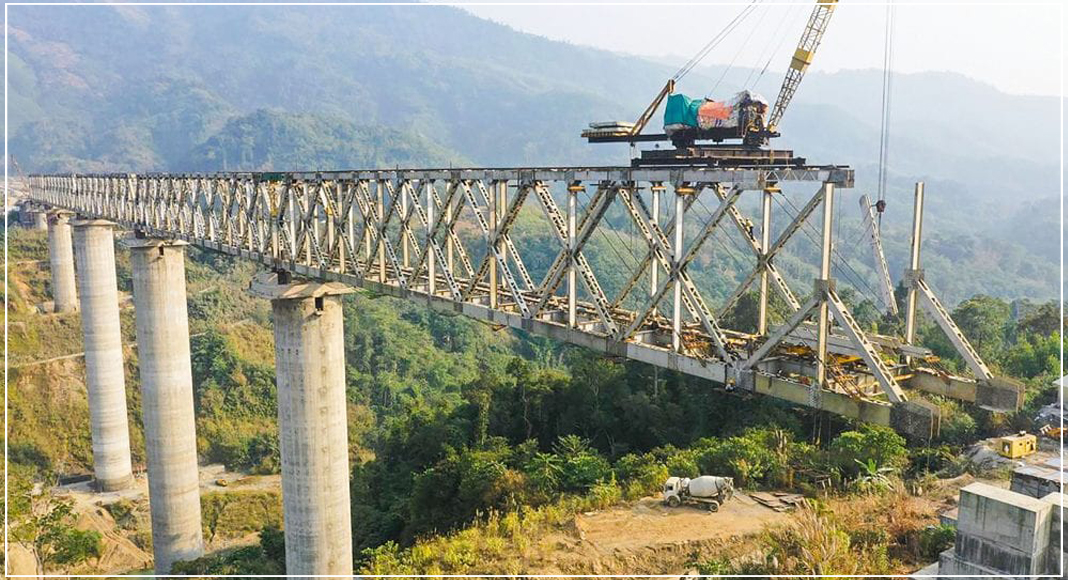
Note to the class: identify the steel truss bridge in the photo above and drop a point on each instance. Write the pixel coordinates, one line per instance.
(445, 237)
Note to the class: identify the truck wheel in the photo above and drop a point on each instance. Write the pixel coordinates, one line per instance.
(713, 506)
(673, 501)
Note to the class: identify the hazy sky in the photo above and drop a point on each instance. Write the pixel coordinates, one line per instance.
(1014, 46)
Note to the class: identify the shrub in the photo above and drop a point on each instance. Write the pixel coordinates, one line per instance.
(581, 472)
(936, 539)
(640, 474)
(871, 443)
(683, 464)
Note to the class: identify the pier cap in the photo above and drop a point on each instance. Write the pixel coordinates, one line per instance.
(84, 223)
(136, 243)
(267, 285)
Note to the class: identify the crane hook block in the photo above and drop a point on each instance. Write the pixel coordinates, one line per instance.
(880, 206)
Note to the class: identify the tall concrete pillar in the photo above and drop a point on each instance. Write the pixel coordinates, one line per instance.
(61, 258)
(310, 367)
(167, 400)
(94, 251)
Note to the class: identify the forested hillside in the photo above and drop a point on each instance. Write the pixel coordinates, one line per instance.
(472, 447)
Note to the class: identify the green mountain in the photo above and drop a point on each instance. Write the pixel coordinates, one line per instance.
(271, 140)
(185, 88)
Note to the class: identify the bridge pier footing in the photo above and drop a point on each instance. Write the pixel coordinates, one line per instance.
(94, 252)
(167, 400)
(61, 260)
(312, 423)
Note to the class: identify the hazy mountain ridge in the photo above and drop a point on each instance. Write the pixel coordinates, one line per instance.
(157, 93)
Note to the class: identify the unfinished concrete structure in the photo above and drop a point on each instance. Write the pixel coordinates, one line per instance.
(61, 260)
(312, 422)
(167, 399)
(347, 226)
(33, 216)
(1004, 533)
(94, 251)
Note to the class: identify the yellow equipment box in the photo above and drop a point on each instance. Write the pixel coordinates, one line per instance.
(1017, 446)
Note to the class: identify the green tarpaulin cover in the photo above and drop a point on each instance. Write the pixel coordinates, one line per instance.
(681, 110)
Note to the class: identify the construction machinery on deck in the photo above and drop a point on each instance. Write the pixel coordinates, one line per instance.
(738, 130)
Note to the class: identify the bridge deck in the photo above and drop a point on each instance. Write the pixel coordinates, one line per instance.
(448, 237)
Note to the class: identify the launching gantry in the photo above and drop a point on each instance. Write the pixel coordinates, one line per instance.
(447, 237)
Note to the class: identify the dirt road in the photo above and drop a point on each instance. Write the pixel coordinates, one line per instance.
(651, 537)
(649, 522)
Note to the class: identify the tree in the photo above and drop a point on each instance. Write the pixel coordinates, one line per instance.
(46, 527)
(983, 320)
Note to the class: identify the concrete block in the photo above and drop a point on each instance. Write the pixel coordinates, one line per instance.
(1035, 481)
(997, 556)
(918, 419)
(948, 518)
(1056, 555)
(1003, 518)
(999, 394)
(949, 564)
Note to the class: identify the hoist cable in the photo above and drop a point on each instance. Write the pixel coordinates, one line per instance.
(884, 130)
(805, 229)
(707, 48)
(782, 40)
(738, 53)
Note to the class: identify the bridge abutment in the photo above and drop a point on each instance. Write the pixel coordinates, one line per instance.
(312, 423)
(105, 380)
(167, 400)
(61, 260)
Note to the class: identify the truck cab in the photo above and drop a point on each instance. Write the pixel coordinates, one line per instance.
(672, 491)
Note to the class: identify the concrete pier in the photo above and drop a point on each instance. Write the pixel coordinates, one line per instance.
(37, 218)
(167, 399)
(61, 258)
(94, 251)
(313, 433)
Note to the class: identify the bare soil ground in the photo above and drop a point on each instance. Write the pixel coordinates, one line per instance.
(649, 537)
(121, 550)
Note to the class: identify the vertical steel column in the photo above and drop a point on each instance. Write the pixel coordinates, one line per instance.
(495, 187)
(654, 264)
(765, 242)
(331, 231)
(823, 285)
(167, 400)
(502, 209)
(381, 229)
(61, 260)
(572, 220)
(367, 225)
(350, 230)
(405, 259)
(914, 264)
(676, 259)
(431, 270)
(450, 259)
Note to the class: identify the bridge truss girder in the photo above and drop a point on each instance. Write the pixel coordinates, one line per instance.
(447, 237)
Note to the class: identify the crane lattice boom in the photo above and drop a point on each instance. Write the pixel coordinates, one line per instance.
(806, 50)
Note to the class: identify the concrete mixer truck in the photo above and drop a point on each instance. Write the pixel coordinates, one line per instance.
(707, 490)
